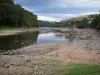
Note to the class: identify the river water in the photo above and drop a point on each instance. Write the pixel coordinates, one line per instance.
(28, 38)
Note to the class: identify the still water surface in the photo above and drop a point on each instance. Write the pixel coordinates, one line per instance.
(29, 38)
(44, 36)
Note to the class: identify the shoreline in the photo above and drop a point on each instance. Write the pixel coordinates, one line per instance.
(17, 31)
(60, 51)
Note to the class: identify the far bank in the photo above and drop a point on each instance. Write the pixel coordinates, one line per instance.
(5, 32)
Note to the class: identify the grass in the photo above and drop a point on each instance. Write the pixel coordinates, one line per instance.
(7, 28)
(81, 69)
(60, 68)
(75, 69)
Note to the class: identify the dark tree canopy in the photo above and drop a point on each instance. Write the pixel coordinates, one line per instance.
(96, 22)
(46, 23)
(15, 16)
(6, 2)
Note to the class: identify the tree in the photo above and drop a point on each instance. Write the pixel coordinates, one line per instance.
(96, 22)
(14, 15)
(6, 2)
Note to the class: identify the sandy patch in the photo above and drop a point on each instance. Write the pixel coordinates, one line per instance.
(76, 54)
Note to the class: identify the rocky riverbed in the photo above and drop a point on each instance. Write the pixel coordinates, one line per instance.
(30, 60)
(46, 59)
(51, 58)
(88, 38)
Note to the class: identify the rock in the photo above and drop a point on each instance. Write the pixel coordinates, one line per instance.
(93, 59)
(84, 37)
(7, 66)
(28, 60)
(97, 53)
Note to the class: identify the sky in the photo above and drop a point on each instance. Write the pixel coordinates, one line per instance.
(57, 10)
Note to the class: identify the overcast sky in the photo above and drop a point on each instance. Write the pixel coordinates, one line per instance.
(56, 10)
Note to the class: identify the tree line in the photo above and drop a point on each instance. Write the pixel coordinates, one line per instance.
(14, 15)
(46, 23)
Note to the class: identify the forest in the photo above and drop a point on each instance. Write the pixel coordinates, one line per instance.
(46, 23)
(14, 15)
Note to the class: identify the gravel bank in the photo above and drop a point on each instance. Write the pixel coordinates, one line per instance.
(30, 61)
(34, 49)
(88, 38)
(45, 59)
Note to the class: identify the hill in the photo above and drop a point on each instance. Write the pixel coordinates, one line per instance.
(76, 18)
(87, 21)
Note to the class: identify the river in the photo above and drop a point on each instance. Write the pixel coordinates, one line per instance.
(46, 35)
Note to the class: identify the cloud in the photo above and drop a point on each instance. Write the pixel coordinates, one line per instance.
(58, 17)
(47, 18)
(67, 15)
(57, 5)
(56, 10)
(89, 13)
(75, 15)
(76, 3)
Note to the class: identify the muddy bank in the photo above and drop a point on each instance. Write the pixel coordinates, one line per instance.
(16, 31)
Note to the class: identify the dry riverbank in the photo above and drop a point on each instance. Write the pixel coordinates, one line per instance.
(59, 51)
(46, 59)
(16, 31)
(76, 54)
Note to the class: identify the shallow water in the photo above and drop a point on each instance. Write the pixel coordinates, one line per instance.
(28, 38)
(18, 41)
(45, 35)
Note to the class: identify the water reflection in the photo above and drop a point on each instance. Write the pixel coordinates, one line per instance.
(49, 38)
(26, 39)
(18, 41)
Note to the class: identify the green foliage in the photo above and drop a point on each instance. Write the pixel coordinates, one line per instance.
(84, 70)
(64, 24)
(83, 23)
(96, 22)
(7, 28)
(13, 15)
(6, 2)
(79, 24)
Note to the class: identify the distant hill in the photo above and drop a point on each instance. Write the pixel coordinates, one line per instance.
(46, 23)
(79, 18)
(80, 21)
